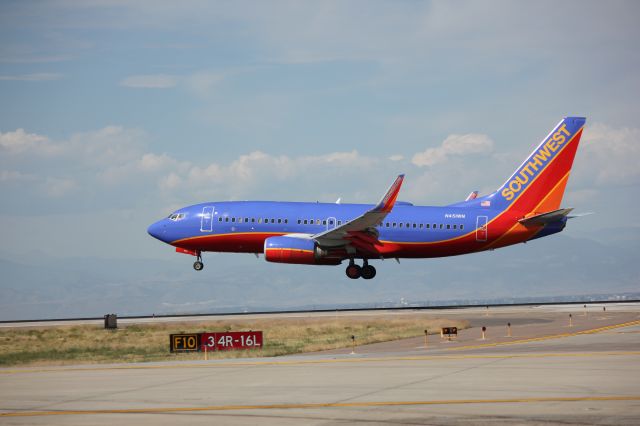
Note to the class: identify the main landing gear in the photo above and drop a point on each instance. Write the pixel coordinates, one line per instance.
(365, 271)
(198, 265)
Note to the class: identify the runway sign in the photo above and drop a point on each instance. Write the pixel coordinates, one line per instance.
(450, 331)
(229, 340)
(184, 342)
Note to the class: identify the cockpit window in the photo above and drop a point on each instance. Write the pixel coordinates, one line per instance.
(176, 216)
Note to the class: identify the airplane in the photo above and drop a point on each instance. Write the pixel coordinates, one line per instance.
(524, 208)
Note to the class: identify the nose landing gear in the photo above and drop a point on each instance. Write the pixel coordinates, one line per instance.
(365, 271)
(198, 265)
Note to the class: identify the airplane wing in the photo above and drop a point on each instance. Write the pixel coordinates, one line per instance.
(360, 232)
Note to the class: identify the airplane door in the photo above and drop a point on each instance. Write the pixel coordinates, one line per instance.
(206, 223)
(481, 228)
(331, 223)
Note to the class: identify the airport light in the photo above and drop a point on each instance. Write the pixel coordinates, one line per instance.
(484, 329)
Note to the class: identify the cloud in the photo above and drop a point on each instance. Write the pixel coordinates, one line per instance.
(201, 83)
(150, 81)
(32, 77)
(257, 171)
(454, 145)
(610, 155)
(107, 146)
(9, 57)
(114, 162)
(81, 164)
(21, 141)
(14, 176)
(59, 187)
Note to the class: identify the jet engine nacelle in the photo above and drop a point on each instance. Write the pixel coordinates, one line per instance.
(297, 250)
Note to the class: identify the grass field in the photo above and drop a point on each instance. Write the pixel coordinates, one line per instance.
(150, 342)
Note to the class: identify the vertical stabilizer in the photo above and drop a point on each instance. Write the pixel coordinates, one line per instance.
(538, 184)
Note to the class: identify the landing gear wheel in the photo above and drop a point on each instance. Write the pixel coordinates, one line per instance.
(197, 265)
(368, 272)
(354, 271)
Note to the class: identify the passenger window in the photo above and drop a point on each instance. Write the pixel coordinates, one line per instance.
(386, 224)
(220, 219)
(421, 226)
(253, 220)
(440, 226)
(455, 226)
(286, 221)
(428, 226)
(299, 221)
(339, 222)
(400, 224)
(394, 224)
(324, 222)
(414, 225)
(305, 221)
(461, 227)
(259, 220)
(279, 220)
(448, 226)
(226, 219)
(273, 221)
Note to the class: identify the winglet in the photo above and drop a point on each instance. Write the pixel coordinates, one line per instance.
(388, 201)
(472, 196)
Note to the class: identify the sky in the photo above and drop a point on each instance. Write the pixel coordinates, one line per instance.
(115, 113)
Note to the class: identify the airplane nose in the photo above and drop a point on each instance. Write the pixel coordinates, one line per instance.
(156, 230)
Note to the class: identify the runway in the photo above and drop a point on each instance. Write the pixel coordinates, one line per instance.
(546, 372)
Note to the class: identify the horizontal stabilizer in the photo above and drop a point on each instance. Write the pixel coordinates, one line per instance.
(544, 218)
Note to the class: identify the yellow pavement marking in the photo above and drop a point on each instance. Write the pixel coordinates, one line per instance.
(160, 410)
(555, 336)
(325, 361)
(358, 360)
